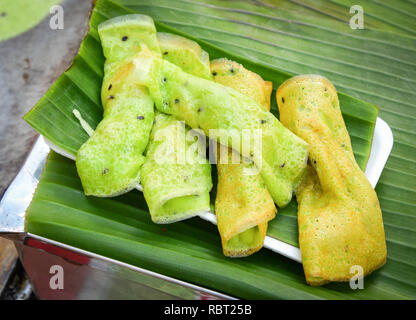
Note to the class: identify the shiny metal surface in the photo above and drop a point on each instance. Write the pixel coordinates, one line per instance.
(90, 276)
(17, 197)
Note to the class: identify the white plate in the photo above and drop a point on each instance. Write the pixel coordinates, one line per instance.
(380, 151)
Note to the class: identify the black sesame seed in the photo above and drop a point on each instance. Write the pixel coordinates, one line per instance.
(110, 97)
(282, 165)
(176, 100)
(214, 73)
(164, 79)
(232, 70)
(314, 161)
(110, 86)
(140, 117)
(263, 121)
(165, 53)
(124, 38)
(105, 171)
(283, 100)
(199, 109)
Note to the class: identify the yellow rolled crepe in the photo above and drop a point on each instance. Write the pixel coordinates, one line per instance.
(339, 216)
(243, 205)
(234, 75)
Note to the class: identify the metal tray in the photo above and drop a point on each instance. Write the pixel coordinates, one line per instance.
(94, 276)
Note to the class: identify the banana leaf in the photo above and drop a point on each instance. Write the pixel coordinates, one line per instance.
(397, 16)
(121, 228)
(369, 64)
(116, 228)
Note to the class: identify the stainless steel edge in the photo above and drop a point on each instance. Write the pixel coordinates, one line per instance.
(19, 194)
(100, 277)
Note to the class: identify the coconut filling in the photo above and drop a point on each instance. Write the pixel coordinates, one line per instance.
(84, 124)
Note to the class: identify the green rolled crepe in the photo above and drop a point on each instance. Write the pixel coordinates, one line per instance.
(185, 53)
(243, 205)
(176, 176)
(109, 162)
(233, 118)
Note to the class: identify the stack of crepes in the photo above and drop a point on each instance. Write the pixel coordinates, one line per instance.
(111, 162)
(165, 150)
(339, 216)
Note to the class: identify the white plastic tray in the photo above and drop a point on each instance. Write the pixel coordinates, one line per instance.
(380, 151)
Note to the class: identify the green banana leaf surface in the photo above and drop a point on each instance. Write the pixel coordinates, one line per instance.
(373, 65)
